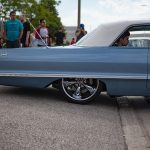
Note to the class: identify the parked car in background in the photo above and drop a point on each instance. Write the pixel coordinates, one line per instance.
(83, 70)
(142, 42)
(139, 39)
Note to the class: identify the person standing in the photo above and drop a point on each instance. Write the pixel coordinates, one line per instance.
(13, 31)
(42, 34)
(33, 41)
(80, 32)
(26, 31)
(60, 36)
(73, 41)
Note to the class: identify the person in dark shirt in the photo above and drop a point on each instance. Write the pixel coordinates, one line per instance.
(60, 36)
(80, 32)
(26, 31)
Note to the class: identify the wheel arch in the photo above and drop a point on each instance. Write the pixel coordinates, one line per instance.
(103, 85)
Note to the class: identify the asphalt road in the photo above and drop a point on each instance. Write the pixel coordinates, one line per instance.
(33, 119)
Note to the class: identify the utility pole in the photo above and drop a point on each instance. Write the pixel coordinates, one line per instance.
(79, 12)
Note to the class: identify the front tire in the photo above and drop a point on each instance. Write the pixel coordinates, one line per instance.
(80, 90)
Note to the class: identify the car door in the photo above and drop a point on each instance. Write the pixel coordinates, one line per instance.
(148, 81)
(135, 59)
(141, 39)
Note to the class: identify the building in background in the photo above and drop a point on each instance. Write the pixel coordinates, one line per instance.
(70, 32)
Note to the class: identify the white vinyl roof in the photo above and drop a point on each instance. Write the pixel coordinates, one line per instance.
(106, 34)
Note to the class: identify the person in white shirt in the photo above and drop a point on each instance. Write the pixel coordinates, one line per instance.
(42, 34)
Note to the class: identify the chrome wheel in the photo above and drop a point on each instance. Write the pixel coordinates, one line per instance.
(80, 90)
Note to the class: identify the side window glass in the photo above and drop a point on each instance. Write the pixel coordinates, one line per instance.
(139, 37)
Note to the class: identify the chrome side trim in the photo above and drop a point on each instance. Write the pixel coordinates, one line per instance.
(74, 76)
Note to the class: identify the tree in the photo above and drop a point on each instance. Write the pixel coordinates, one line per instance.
(34, 10)
(9, 5)
(50, 5)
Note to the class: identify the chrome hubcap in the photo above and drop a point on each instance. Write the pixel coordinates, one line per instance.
(79, 88)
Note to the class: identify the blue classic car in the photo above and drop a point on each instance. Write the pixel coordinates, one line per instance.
(83, 70)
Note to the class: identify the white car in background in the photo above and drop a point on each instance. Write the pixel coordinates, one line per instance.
(139, 39)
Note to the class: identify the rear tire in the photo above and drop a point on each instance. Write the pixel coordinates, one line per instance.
(80, 90)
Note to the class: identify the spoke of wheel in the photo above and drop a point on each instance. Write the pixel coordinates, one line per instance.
(77, 93)
(67, 83)
(89, 88)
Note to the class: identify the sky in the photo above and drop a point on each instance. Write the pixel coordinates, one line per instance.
(96, 12)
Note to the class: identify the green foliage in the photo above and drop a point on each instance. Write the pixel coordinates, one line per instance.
(50, 5)
(34, 10)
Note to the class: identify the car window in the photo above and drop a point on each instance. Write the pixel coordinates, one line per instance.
(139, 37)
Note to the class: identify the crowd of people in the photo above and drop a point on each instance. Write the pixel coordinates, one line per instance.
(17, 33)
